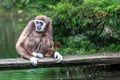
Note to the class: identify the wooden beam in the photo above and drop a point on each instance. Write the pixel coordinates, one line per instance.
(71, 60)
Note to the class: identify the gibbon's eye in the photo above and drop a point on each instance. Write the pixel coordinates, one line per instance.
(40, 25)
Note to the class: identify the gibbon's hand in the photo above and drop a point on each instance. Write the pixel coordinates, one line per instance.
(58, 57)
(37, 55)
(34, 61)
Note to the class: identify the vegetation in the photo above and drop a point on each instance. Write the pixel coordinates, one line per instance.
(82, 26)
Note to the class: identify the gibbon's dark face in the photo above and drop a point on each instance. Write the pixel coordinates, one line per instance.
(40, 25)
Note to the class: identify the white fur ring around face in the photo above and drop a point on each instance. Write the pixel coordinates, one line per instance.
(40, 25)
(37, 55)
(58, 57)
(34, 61)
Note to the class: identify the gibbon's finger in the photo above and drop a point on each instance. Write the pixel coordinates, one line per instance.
(58, 57)
(39, 55)
(34, 54)
(34, 61)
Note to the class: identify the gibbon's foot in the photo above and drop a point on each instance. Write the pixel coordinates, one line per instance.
(58, 57)
(34, 61)
(37, 55)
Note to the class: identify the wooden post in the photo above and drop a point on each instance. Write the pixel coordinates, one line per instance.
(70, 60)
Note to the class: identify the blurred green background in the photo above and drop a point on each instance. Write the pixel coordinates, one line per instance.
(81, 26)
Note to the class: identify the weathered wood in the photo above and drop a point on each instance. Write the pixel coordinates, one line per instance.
(71, 60)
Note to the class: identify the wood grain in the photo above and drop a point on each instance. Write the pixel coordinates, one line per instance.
(70, 60)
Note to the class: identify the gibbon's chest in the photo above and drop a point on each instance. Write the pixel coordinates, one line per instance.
(37, 42)
(35, 37)
(32, 40)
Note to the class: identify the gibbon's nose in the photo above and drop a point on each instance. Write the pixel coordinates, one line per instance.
(39, 27)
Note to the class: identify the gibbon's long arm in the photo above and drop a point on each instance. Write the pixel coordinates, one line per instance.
(58, 57)
(50, 30)
(20, 43)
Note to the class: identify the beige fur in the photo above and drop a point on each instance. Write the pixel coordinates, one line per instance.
(31, 41)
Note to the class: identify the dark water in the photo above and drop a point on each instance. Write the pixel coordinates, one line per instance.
(62, 73)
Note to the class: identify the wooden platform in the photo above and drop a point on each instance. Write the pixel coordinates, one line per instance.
(71, 60)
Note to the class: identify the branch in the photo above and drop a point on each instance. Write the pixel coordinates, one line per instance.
(71, 60)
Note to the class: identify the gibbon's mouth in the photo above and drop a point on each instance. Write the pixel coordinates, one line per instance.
(40, 25)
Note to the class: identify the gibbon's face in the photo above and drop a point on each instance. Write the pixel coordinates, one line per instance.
(40, 25)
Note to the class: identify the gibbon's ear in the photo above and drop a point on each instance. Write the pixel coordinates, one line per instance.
(48, 20)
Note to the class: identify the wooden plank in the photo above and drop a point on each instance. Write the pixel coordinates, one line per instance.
(71, 60)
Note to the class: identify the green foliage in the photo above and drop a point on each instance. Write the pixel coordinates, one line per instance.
(79, 44)
(8, 4)
(82, 26)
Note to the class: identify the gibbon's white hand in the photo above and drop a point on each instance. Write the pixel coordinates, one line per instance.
(58, 57)
(34, 61)
(37, 55)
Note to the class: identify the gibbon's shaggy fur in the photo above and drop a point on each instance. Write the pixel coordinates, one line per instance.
(33, 45)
